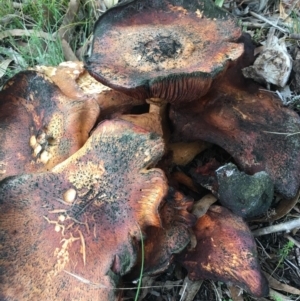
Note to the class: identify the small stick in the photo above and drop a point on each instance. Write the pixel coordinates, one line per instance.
(287, 226)
(296, 242)
(267, 21)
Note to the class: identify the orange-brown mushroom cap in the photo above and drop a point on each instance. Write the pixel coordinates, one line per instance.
(71, 233)
(225, 251)
(39, 125)
(253, 126)
(167, 49)
(76, 83)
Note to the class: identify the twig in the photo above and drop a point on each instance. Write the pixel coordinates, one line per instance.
(296, 242)
(287, 226)
(263, 248)
(268, 21)
(99, 285)
(142, 266)
(182, 295)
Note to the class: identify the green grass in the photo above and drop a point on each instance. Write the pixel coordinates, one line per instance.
(283, 254)
(27, 51)
(142, 268)
(41, 16)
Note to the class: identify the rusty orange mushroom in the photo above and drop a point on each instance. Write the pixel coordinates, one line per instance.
(75, 229)
(165, 49)
(76, 83)
(225, 251)
(39, 125)
(251, 125)
(161, 243)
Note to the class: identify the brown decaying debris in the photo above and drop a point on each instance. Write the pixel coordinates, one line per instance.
(75, 229)
(225, 251)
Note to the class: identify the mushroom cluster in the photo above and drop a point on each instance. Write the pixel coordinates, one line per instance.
(97, 170)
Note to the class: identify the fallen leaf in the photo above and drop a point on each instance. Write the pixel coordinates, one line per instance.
(281, 286)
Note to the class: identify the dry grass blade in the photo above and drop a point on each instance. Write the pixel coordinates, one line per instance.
(67, 28)
(3, 66)
(69, 55)
(28, 33)
(268, 21)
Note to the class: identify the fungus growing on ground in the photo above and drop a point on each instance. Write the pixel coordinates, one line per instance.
(40, 126)
(76, 228)
(87, 216)
(225, 251)
(76, 83)
(253, 126)
(162, 243)
(167, 49)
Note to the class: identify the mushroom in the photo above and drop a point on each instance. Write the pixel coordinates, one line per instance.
(76, 228)
(161, 243)
(75, 82)
(39, 125)
(153, 121)
(252, 125)
(225, 251)
(167, 49)
(184, 152)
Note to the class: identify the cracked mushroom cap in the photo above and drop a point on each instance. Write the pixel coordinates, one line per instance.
(39, 125)
(225, 251)
(76, 228)
(168, 49)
